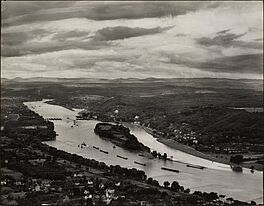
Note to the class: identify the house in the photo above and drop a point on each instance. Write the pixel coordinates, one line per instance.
(89, 182)
(7, 202)
(17, 195)
(143, 203)
(117, 184)
(66, 199)
(195, 141)
(101, 186)
(36, 188)
(13, 117)
(109, 192)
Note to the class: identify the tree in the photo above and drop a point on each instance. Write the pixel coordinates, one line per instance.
(181, 189)
(197, 193)
(187, 190)
(154, 153)
(48, 159)
(212, 196)
(165, 156)
(156, 183)
(237, 159)
(166, 184)
(175, 186)
(150, 181)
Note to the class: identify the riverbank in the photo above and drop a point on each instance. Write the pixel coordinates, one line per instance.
(189, 177)
(181, 147)
(189, 150)
(120, 136)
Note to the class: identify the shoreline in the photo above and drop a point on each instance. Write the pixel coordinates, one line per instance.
(189, 150)
(181, 147)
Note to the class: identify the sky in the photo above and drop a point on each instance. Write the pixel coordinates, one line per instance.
(74, 39)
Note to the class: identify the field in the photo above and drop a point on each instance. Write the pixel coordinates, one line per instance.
(195, 112)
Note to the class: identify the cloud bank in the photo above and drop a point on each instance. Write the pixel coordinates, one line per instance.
(132, 39)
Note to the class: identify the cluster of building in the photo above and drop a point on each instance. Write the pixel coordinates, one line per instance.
(33, 173)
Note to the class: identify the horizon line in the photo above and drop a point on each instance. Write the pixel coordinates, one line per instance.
(130, 78)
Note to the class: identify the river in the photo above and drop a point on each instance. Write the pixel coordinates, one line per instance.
(217, 177)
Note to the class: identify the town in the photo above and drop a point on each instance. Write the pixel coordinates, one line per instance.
(131, 103)
(33, 173)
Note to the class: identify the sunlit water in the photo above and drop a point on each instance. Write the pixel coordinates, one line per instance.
(216, 177)
(249, 109)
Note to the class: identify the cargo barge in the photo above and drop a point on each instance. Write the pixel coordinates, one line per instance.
(125, 158)
(103, 151)
(196, 166)
(143, 164)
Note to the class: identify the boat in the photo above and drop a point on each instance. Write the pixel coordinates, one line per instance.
(196, 166)
(168, 169)
(141, 155)
(237, 168)
(103, 151)
(143, 164)
(83, 144)
(125, 158)
(95, 147)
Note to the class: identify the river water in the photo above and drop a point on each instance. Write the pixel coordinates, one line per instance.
(217, 177)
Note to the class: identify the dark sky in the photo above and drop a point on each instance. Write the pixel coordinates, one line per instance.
(132, 39)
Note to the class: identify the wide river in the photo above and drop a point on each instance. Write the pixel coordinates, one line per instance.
(217, 177)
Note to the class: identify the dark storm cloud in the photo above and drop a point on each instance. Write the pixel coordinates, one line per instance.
(52, 46)
(85, 39)
(16, 38)
(15, 43)
(71, 34)
(226, 39)
(223, 31)
(19, 8)
(248, 63)
(181, 35)
(44, 11)
(138, 10)
(87, 63)
(18, 43)
(120, 32)
(222, 38)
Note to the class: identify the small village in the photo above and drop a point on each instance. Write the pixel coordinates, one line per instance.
(252, 157)
(33, 173)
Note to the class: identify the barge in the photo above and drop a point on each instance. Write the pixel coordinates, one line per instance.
(95, 147)
(125, 158)
(103, 151)
(196, 166)
(142, 164)
(168, 169)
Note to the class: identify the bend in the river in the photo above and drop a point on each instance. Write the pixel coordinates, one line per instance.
(217, 177)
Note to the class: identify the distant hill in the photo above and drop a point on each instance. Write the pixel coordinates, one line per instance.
(254, 84)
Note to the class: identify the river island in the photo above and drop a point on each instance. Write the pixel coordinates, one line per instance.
(120, 136)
